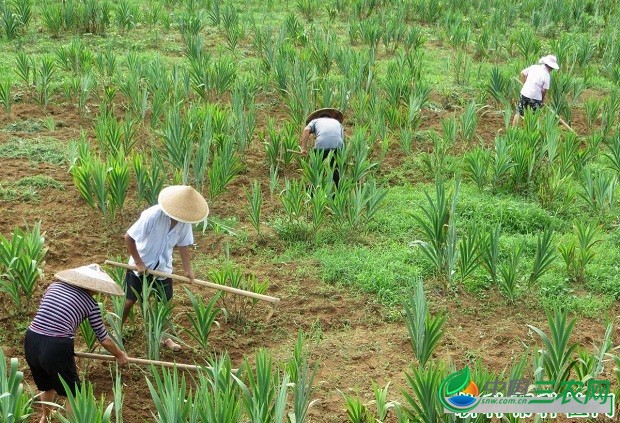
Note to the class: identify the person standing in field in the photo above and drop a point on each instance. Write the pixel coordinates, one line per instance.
(326, 125)
(49, 346)
(151, 239)
(536, 81)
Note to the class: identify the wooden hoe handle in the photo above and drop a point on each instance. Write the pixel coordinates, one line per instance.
(106, 357)
(225, 288)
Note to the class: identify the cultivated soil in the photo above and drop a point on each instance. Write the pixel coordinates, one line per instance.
(354, 339)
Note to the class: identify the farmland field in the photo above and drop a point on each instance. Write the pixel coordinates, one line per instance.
(105, 102)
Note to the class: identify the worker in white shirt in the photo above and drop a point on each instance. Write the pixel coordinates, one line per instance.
(536, 81)
(151, 239)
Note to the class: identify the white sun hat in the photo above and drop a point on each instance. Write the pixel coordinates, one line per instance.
(92, 278)
(183, 203)
(550, 61)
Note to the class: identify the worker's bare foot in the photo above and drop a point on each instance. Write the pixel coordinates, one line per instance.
(172, 345)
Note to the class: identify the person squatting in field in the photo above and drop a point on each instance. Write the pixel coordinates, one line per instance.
(326, 125)
(49, 346)
(536, 81)
(151, 239)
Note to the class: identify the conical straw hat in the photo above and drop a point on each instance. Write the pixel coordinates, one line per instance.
(90, 277)
(183, 203)
(332, 113)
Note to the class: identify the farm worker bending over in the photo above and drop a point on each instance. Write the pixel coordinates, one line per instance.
(326, 125)
(49, 338)
(152, 237)
(536, 81)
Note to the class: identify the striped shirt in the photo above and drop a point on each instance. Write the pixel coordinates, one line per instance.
(63, 308)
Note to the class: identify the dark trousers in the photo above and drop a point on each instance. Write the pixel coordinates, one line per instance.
(333, 163)
(133, 286)
(49, 359)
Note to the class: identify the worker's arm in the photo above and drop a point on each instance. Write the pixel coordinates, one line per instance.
(133, 251)
(544, 95)
(113, 349)
(304, 140)
(185, 260)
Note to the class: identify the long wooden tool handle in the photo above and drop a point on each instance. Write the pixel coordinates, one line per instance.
(200, 282)
(559, 118)
(106, 357)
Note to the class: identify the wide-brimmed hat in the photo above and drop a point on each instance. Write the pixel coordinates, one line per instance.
(550, 61)
(183, 203)
(90, 277)
(332, 113)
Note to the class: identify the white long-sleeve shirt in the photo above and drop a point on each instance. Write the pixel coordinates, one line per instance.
(537, 80)
(155, 240)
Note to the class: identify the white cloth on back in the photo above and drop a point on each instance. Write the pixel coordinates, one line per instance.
(537, 80)
(155, 240)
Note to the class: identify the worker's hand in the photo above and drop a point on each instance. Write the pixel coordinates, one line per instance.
(190, 275)
(122, 359)
(141, 268)
(304, 151)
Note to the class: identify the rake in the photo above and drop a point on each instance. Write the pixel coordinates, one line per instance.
(273, 300)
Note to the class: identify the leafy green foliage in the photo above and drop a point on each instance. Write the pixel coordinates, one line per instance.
(202, 318)
(15, 402)
(21, 264)
(425, 332)
(422, 402)
(557, 351)
(84, 406)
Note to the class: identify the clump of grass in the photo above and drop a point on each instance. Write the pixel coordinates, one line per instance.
(38, 150)
(40, 181)
(10, 194)
(386, 271)
(26, 125)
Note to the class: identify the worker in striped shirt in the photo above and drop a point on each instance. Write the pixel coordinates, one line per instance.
(49, 338)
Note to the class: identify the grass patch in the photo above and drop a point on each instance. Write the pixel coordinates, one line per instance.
(38, 150)
(10, 194)
(27, 125)
(26, 189)
(387, 270)
(557, 293)
(516, 215)
(40, 181)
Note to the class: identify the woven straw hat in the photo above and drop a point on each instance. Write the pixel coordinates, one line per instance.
(333, 113)
(183, 203)
(550, 61)
(90, 277)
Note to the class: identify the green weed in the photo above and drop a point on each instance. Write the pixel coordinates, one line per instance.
(40, 181)
(38, 150)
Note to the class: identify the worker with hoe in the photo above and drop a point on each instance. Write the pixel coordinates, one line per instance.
(326, 125)
(49, 345)
(151, 239)
(536, 81)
